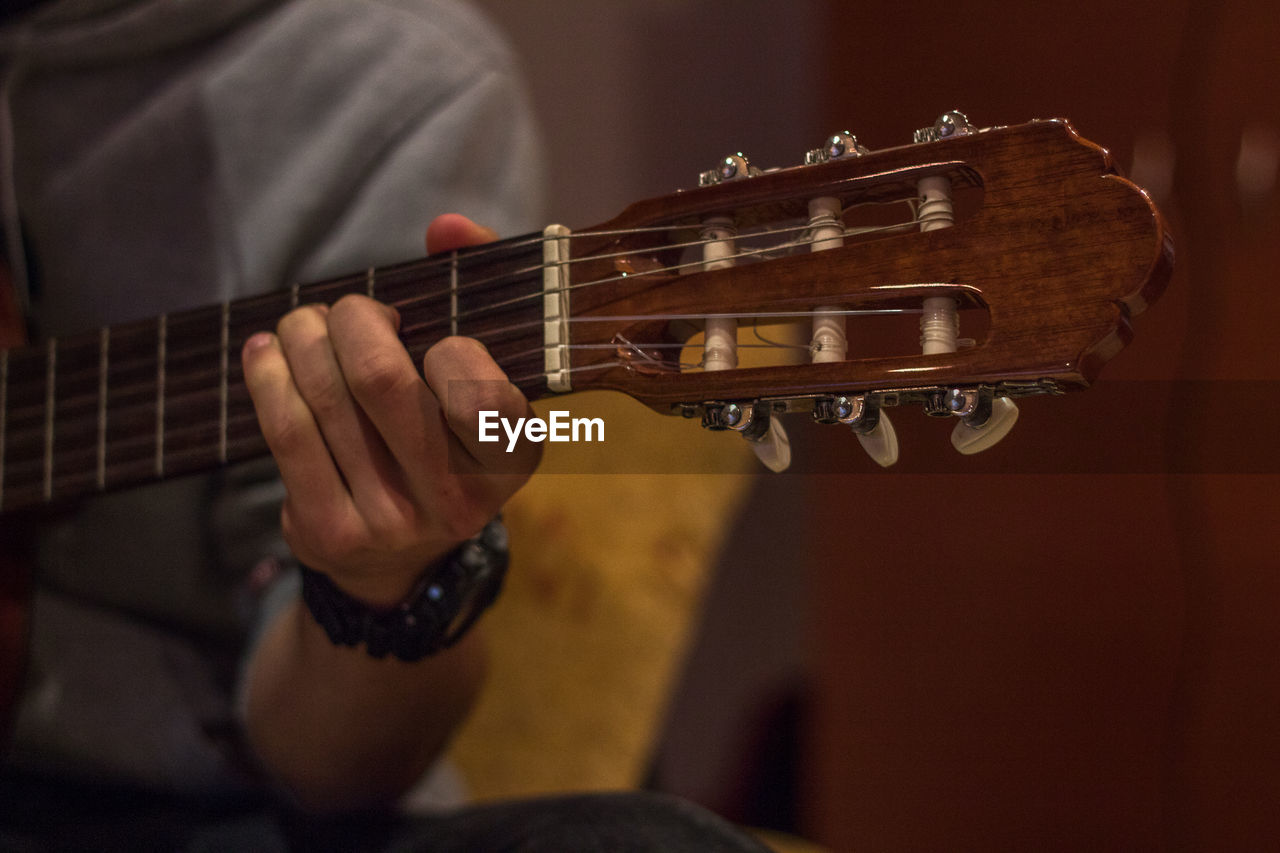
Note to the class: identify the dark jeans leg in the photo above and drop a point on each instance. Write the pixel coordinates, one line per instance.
(49, 815)
(615, 822)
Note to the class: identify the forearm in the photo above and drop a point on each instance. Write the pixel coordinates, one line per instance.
(344, 730)
(384, 473)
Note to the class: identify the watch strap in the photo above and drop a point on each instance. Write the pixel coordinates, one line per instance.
(442, 606)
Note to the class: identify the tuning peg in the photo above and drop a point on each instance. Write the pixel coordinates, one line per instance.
(773, 449)
(881, 442)
(841, 144)
(768, 439)
(862, 414)
(731, 168)
(950, 124)
(984, 419)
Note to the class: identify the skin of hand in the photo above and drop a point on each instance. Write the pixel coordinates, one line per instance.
(384, 474)
(382, 465)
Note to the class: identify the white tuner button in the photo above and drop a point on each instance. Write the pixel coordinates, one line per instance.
(773, 449)
(975, 439)
(880, 443)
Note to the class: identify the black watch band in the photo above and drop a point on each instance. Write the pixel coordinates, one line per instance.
(441, 607)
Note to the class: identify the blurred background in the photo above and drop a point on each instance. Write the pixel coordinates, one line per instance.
(1003, 652)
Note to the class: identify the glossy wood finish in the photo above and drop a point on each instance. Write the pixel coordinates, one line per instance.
(1062, 253)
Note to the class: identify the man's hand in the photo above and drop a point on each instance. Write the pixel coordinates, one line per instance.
(383, 475)
(382, 465)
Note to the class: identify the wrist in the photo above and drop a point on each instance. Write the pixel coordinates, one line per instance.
(441, 604)
(383, 591)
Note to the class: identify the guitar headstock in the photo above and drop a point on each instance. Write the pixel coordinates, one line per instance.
(958, 271)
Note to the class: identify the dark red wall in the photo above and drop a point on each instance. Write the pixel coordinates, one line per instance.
(1073, 643)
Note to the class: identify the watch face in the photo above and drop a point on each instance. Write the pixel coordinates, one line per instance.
(485, 568)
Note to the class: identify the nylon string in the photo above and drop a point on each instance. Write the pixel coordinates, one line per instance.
(443, 264)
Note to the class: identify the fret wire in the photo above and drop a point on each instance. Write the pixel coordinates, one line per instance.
(370, 279)
(223, 369)
(398, 288)
(104, 347)
(51, 367)
(479, 255)
(453, 292)
(438, 266)
(231, 425)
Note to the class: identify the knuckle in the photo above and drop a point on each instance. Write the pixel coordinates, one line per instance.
(285, 433)
(306, 321)
(377, 374)
(467, 398)
(456, 350)
(393, 521)
(325, 393)
(350, 303)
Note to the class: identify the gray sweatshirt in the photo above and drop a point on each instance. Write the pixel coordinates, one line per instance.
(164, 154)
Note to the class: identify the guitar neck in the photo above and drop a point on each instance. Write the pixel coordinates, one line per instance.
(152, 399)
(1033, 237)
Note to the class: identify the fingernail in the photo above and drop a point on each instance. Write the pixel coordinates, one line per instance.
(259, 341)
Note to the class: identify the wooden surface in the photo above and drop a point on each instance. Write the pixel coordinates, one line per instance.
(1061, 254)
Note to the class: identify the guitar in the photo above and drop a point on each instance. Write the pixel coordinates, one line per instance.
(1022, 249)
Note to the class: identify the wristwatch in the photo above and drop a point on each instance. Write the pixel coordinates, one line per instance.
(441, 607)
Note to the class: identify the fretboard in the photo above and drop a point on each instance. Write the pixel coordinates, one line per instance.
(158, 398)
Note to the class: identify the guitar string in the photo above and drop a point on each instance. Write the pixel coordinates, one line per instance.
(514, 277)
(498, 335)
(750, 253)
(506, 279)
(495, 335)
(444, 260)
(511, 362)
(443, 263)
(639, 347)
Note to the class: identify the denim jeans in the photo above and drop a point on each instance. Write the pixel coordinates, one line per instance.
(40, 815)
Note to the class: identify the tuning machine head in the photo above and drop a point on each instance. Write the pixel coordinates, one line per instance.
(731, 168)
(985, 419)
(861, 413)
(949, 125)
(753, 422)
(843, 144)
